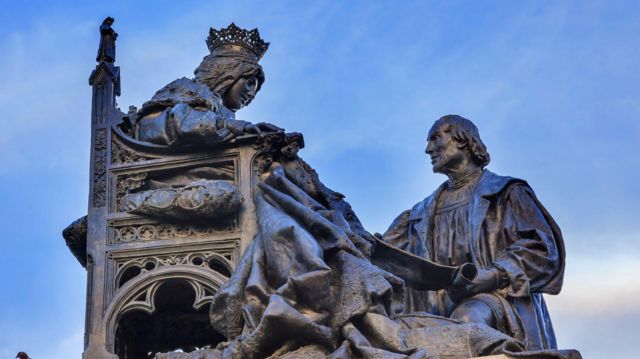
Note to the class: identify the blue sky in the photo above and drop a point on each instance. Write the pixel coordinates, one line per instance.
(552, 86)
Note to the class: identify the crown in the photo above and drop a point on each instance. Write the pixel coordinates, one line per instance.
(233, 35)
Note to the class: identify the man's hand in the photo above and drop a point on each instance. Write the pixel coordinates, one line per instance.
(486, 281)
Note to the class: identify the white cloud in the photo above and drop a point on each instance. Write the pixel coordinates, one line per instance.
(598, 284)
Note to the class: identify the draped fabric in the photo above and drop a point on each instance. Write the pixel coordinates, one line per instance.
(305, 288)
(494, 221)
(187, 112)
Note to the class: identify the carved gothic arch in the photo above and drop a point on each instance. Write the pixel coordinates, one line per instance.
(213, 260)
(139, 293)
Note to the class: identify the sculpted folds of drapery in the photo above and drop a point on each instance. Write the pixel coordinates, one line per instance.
(307, 286)
(508, 228)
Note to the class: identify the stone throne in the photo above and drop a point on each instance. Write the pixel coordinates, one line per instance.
(152, 269)
(144, 262)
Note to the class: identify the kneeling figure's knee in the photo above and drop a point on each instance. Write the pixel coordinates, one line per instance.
(474, 311)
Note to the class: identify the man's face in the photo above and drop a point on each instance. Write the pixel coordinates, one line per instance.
(443, 149)
(240, 93)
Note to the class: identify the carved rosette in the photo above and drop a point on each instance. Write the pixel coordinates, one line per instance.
(152, 232)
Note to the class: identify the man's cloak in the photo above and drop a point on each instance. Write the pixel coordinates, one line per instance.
(508, 228)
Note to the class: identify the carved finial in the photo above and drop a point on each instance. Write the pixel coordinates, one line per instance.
(107, 48)
(233, 35)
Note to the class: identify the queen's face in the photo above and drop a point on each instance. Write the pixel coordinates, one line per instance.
(240, 93)
(443, 150)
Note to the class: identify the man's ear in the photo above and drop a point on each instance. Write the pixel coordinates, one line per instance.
(460, 144)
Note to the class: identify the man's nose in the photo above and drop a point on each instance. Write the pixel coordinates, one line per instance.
(429, 148)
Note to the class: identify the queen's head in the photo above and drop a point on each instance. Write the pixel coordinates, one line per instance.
(231, 69)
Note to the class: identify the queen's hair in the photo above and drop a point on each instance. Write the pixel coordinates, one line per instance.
(465, 132)
(221, 70)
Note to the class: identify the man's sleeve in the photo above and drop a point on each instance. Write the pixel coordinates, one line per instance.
(530, 258)
(398, 233)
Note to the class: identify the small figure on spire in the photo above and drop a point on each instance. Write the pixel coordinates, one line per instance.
(107, 48)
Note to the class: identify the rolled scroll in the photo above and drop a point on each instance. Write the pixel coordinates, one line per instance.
(420, 273)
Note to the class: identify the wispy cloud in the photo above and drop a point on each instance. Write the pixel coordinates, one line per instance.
(599, 284)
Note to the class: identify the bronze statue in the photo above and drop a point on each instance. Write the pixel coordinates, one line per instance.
(201, 110)
(494, 222)
(107, 47)
(191, 208)
(232, 68)
(308, 277)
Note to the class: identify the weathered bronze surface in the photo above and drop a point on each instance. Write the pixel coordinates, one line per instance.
(210, 234)
(492, 221)
(107, 47)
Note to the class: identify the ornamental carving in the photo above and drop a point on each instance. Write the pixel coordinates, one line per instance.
(121, 154)
(213, 260)
(99, 198)
(152, 232)
(140, 294)
(233, 35)
(129, 182)
(276, 146)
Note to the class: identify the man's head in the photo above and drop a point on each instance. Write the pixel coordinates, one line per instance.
(454, 142)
